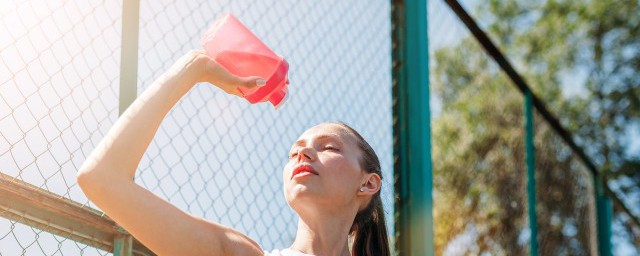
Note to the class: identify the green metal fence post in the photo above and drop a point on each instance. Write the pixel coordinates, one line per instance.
(531, 171)
(123, 246)
(604, 211)
(129, 53)
(412, 129)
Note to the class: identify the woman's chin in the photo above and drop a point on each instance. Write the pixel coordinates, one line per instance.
(301, 189)
(299, 192)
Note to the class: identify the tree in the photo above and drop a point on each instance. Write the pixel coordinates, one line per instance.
(478, 138)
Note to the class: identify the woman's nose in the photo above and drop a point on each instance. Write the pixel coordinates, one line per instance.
(304, 153)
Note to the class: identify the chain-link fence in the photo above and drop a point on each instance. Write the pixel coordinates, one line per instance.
(215, 156)
(565, 197)
(480, 155)
(480, 193)
(220, 158)
(480, 200)
(58, 96)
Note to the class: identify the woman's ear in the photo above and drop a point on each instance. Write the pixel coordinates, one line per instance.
(372, 184)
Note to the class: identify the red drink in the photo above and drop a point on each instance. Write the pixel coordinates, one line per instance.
(243, 54)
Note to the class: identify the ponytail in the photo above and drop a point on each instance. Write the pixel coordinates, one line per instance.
(369, 229)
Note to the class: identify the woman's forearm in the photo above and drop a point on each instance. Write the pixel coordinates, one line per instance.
(117, 156)
(120, 151)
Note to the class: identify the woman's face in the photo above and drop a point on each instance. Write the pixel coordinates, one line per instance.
(323, 168)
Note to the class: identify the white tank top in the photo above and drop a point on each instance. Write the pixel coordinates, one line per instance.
(285, 252)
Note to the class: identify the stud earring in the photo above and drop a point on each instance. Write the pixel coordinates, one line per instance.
(362, 189)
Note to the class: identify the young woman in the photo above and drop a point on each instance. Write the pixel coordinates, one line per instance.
(332, 180)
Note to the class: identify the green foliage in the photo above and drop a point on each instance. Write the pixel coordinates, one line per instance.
(479, 176)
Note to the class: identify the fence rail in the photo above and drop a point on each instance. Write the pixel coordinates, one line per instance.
(36, 207)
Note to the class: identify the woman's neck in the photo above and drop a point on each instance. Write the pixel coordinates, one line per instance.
(324, 233)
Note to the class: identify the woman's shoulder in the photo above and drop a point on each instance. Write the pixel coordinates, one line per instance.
(285, 252)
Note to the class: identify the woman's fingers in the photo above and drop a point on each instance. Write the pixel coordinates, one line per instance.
(251, 82)
(217, 75)
(196, 66)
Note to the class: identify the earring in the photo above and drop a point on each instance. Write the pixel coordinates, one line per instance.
(362, 189)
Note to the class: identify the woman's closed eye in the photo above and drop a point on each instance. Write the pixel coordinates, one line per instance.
(331, 148)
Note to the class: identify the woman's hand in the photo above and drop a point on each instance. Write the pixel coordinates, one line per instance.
(195, 67)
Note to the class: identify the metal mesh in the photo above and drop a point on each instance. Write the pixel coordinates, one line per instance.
(59, 77)
(566, 204)
(215, 156)
(479, 168)
(479, 177)
(480, 200)
(219, 157)
(58, 96)
(20, 239)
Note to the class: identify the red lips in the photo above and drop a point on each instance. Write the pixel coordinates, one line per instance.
(303, 168)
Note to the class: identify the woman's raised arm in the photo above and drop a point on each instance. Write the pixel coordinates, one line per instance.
(106, 177)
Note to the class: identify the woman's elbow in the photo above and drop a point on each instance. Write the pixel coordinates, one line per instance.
(90, 177)
(94, 178)
(85, 179)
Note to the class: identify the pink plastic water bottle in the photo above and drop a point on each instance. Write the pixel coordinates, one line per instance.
(237, 49)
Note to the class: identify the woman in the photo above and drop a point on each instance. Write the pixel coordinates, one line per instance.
(332, 180)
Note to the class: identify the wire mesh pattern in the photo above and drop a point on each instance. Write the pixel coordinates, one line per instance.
(215, 156)
(479, 192)
(480, 199)
(566, 203)
(218, 157)
(58, 96)
(20, 239)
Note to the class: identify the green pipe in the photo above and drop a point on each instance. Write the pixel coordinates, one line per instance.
(604, 212)
(123, 246)
(412, 129)
(531, 171)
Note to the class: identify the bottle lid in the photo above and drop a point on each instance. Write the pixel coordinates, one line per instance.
(282, 101)
(279, 97)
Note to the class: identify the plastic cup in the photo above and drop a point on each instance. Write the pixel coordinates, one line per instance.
(242, 53)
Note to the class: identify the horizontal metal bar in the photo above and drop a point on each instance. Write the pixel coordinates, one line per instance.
(36, 207)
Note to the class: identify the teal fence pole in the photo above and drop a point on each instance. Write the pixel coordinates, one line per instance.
(604, 210)
(123, 246)
(531, 171)
(412, 129)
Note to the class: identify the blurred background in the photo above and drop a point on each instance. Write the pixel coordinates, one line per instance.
(218, 157)
(582, 58)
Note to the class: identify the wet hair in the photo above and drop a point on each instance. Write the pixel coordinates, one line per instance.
(369, 229)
